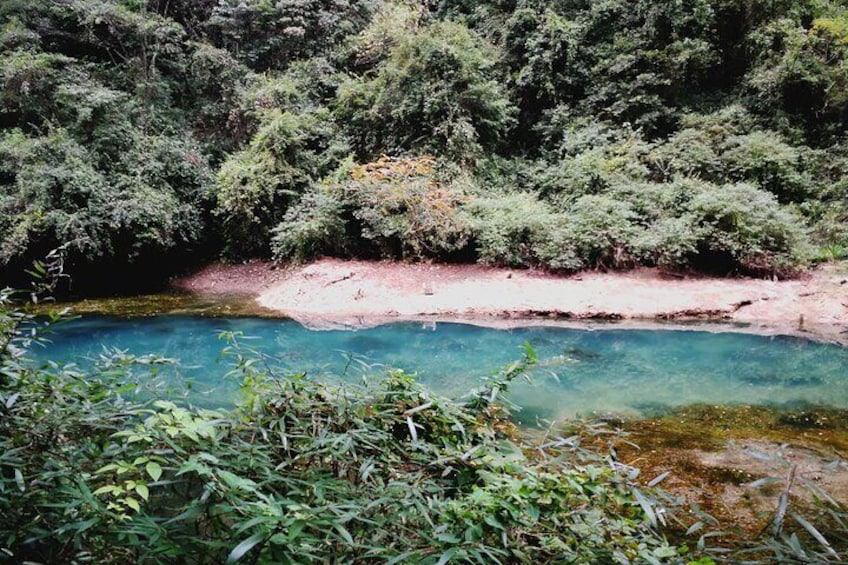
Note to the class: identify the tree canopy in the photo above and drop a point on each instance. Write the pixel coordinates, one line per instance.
(706, 135)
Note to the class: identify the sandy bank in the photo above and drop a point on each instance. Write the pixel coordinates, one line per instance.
(333, 293)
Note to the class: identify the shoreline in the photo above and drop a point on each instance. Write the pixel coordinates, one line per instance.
(339, 294)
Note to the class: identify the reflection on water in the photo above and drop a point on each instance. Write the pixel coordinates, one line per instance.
(580, 372)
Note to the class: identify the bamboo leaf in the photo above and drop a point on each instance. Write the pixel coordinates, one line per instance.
(763, 482)
(241, 549)
(12, 399)
(19, 480)
(816, 534)
(646, 507)
(659, 479)
(345, 534)
(447, 556)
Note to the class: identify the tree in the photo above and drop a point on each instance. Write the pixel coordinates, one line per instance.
(438, 91)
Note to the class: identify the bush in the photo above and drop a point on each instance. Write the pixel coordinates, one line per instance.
(671, 243)
(291, 151)
(599, 230)
(406, 210)
(270, 35)
(748, 225)
(510, 230)
(727, 147)
(149, 201)
(587, 157)
(313, 227)
(799, 72)
(765, 159)
(439, 91)
(694, 150)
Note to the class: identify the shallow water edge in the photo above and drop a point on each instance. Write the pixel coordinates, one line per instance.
(245, 305)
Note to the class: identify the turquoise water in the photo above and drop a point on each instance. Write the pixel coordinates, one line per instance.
(581, 372)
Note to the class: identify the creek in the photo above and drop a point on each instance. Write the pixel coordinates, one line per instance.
(581, 372)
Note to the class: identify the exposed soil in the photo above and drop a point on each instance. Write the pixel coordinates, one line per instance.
(337, 293)
(243, 279)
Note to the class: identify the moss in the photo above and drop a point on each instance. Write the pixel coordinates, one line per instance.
(158, 304)
(677, 440)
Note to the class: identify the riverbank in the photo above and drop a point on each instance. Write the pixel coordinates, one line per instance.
(337, 293)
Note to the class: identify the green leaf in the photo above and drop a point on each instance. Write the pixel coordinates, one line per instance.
(235, 482)
(447, 556)
(530, 353)
(104, 489)
(245, 546)
(11, 400)
(295, 529)
(665, 552)
(165, 405)
(345, 534)
(19, 480)
(646, 507)
(142, 491)
(106, 469)
(154, 470)
(493, 521)
(132, 503)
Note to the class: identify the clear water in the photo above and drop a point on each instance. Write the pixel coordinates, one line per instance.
(581, 372)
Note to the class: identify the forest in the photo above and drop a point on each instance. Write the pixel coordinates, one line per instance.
(146, 136)
(141, 139)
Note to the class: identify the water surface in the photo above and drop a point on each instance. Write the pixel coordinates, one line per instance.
(581, 372)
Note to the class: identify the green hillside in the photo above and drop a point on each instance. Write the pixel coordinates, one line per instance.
(707, 135)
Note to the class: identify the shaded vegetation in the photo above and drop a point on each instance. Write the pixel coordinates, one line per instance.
(709, 135)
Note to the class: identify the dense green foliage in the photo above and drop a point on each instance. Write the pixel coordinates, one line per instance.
(706, 135)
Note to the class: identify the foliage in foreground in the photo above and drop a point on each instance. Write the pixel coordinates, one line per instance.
(299, 472)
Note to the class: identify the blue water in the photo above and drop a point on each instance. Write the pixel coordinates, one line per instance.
(581, 372)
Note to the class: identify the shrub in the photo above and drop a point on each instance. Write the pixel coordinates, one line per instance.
(149, 201)
(765, 159)
(313, 227)
(405, 210)
(726, 147)
(588, 157)
(799, 69)
(438, 91)
(392, 23)
(748, 226)
(270, 35)
(256, 186)
(671, 242)
(601, 231)
(509, 230)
